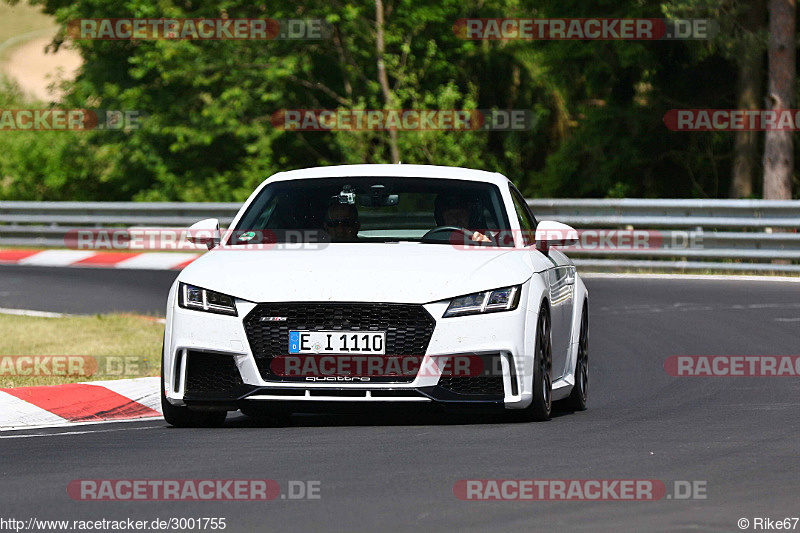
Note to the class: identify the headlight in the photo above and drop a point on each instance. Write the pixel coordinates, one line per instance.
(505, 299)
(191, 297)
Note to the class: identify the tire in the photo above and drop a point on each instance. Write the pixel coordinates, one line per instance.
(540, 408)
(183, 417)
(577, 398)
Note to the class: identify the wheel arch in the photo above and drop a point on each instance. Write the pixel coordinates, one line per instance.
(538, 296)
(582, 296)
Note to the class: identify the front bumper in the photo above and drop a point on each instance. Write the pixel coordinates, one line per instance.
(208, 361)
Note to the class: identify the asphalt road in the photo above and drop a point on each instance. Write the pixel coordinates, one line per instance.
(85, 290)
(396, 473)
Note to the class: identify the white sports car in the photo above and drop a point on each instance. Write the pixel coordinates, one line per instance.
(377, 284)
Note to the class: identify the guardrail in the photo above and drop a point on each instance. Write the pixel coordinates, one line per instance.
(736, 235)
(46, 223)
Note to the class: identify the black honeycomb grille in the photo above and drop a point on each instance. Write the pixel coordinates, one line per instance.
(477, 385)
(211, 373)
(408, 328)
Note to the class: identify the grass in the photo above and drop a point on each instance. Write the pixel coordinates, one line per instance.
(22, 18)
(119, 345)
(19, 24)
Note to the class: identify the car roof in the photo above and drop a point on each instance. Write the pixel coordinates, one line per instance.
(395, 171)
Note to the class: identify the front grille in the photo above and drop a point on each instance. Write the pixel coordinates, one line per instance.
(211, 373)
(408, 329)
(478, 385)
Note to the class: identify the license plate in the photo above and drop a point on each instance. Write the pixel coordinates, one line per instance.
(337, 342)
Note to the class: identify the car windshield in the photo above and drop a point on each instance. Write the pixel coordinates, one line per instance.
(372, 209)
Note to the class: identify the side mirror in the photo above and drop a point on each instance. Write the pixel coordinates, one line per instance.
(550, 234)
(205, 232)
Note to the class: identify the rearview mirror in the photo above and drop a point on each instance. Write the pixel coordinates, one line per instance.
(550, 234)
(386, 200)
(378, 197)
(205, 232)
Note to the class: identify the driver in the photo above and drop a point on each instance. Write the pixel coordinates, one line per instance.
(341, 222)
(451, 209)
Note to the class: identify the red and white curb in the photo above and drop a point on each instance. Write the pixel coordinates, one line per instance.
(75, 403)
(81, 258)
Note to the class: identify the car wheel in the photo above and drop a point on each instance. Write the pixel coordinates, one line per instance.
(542, 404)
(577, 398)
(183, 417)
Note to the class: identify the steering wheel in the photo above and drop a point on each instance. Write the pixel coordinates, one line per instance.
(429, 236)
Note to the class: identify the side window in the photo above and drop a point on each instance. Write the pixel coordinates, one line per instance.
(526, 221)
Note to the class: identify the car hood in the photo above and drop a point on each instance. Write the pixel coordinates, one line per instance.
(368, 272)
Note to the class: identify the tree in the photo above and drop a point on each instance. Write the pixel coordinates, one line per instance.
(742, 41)
(750, 56)
(208, 105)
(778, 146)
(383, 79)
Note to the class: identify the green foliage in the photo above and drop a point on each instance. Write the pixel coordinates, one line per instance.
(31, 161)
(207, 134)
